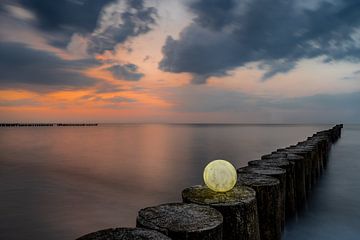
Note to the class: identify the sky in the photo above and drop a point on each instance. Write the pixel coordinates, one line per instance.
(180, 61)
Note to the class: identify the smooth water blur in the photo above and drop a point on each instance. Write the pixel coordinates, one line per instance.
(333, 211)
(62, 182)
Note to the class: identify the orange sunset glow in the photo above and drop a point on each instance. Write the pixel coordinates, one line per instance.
(151, 73)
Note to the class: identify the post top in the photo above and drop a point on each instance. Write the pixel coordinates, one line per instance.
(125, 234)
(256, 180)
(179, 217)
(203, 195)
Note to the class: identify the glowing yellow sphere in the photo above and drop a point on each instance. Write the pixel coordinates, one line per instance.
(220, 176)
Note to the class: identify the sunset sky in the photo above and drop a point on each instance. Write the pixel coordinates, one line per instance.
(239, 61)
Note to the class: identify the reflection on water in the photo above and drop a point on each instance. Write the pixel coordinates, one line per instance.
(59, 183)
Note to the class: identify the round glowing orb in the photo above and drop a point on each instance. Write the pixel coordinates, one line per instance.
(220, 176)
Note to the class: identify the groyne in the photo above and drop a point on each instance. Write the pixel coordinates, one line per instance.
(270, 191)
(48, 124)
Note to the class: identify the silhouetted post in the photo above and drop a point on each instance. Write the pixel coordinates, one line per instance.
(328, 143)
(299, 181)
(268, 201)
(322, 150)
(238, 207)
(310, 153)
(314, 155)
(299, 170)
(290, 206)
(278, 173)
(125, 234)
(182, 221)
(307, 164)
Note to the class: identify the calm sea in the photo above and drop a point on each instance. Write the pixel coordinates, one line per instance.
(59, 183)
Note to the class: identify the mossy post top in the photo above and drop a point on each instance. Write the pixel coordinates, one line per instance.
(200, 194)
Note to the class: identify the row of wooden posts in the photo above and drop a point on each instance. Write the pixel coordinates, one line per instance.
(269, 191)
(48, 124)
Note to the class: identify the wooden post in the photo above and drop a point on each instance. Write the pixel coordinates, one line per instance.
(182, 221)
(307, 164)
(310, 154)
(238, 207)
(290, 206)
(125, 234)
(268, 201)
(299, 182)
(275, 172)
(321, 151)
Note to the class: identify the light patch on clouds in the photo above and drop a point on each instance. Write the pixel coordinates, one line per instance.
(78, 46)
(20, 13)
(110, 16)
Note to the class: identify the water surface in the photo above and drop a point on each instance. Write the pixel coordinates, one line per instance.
(62, 182)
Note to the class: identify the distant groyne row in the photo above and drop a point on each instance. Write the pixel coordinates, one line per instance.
(268, 193)
(48, 124)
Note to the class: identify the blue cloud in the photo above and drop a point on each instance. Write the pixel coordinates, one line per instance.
(226, 34)
(126, 72)
(24, 67)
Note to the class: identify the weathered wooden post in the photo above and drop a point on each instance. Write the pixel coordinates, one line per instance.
(328, 144)
(182, 221)
(325, 144)
(310, 154)
(307, 164)
(321, 149)
(314, 154)
(275, 172)
(238, 207)
(299, 169)
(299, 182)
(125, 234)
(268, 202)
(290, 206)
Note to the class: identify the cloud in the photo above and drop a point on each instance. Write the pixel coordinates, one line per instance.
(24, 67)
(353, 76)
(234, 106)
(103, 23)
(20, 13)
(20, 102)
(334, 102)
(66, 15)
(120, 21)
(226, 34)
(108, 88)
(209, 99)
(126, 72)
(119, 100)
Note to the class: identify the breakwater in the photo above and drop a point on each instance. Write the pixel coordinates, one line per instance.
(48, 124)
(270, 191)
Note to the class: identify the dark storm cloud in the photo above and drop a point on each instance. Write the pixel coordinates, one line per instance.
(23, 67)
(135, 20)
(127, 72)
(226, 34)
(101, 23)
(63, 18)
(66, 15)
